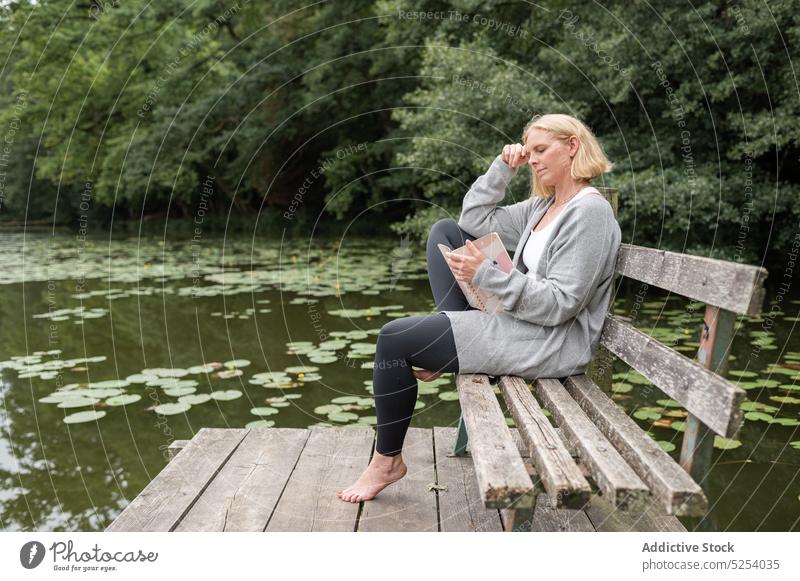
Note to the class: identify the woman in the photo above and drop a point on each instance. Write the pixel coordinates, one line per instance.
(555, 300)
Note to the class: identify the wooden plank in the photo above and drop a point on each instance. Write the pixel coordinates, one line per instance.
(713, 399)
(550, 519)
(502, 478)
(460, 505)
(332, 459)
(679, 494)
(244, 494)
(169, 496)
(618, 482)
(732, 286)
(560, 476)
(545, 517)
(605, 518)
(408, 505)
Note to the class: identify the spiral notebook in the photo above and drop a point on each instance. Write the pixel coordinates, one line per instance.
(492, 247)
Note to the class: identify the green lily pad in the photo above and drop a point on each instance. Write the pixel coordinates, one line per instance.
(300, 369)
(669, 403)
(226, 394)
(346, 399)
(77, 402)
(665, 445)
(621, 387)
(263, 411)
(342, 416)
(171, 409)
(123, 399)
(644, 414)
(725, 443)
(236, 363)
(109, 383)
(327, 409)
(260, 424)
(179, 391)
(448, 395)
(83, 417)
(195, 398)
(758, 416)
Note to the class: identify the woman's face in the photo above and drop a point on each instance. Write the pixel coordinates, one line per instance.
(549, 156)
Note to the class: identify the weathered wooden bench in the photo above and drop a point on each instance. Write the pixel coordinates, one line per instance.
(595, 439)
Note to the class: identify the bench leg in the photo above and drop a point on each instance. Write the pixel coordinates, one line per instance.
(461, 438)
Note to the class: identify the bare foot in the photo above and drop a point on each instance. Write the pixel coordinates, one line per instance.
(425, 375)
(381, 472)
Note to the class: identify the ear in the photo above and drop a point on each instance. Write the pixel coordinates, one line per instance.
(574, 144)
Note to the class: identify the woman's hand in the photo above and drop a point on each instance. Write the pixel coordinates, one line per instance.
(465, 266)
(514, 155)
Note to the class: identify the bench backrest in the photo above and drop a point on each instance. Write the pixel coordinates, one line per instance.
(727, 289)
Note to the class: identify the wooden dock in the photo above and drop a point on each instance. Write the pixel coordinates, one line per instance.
(286, 479)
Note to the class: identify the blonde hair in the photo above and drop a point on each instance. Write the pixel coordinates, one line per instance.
(589, 162)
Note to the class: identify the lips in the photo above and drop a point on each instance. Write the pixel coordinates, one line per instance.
(540, 171)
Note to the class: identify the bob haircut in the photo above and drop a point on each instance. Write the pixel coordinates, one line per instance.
(589, 161)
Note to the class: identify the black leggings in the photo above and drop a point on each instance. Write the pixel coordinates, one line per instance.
(422, 341)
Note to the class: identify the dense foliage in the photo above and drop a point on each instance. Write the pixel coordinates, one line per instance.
(348, 111)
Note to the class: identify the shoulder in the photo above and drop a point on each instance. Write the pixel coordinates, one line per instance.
(592, 203)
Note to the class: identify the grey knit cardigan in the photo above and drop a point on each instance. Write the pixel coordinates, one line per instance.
(552, 323)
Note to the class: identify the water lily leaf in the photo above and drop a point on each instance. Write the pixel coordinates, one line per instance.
(645, 414)
(110, 383)
(327, 409)
(743, 373)
(665, 445)
(195, 399)
(785, 399)
(263, 411)
(226, 394)
(725, 443)
(346, 399)
(77, 402)
(171, 409)
(260, 424)
(342, 416)
(236, 363)
(785, 421)
(756, 416)
(448, 395)
(301, 369)
(669, 403)
(229, 373)
(123, 399)
(756, 406)
(621, 387)
(83, 417)
(179, 391)
(679, 426)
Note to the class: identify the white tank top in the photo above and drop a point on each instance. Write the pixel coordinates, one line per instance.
(534, 247)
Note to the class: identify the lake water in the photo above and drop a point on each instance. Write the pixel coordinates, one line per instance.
(109, 351)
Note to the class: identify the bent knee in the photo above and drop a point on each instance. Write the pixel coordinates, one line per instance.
(444, 228)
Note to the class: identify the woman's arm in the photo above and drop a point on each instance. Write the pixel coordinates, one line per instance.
(576, 268)
(480, 213)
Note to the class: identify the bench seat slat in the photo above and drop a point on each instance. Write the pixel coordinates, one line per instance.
(617, 481)
(503, 480)
(678, 492)
(713, 399)
(560, 475)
